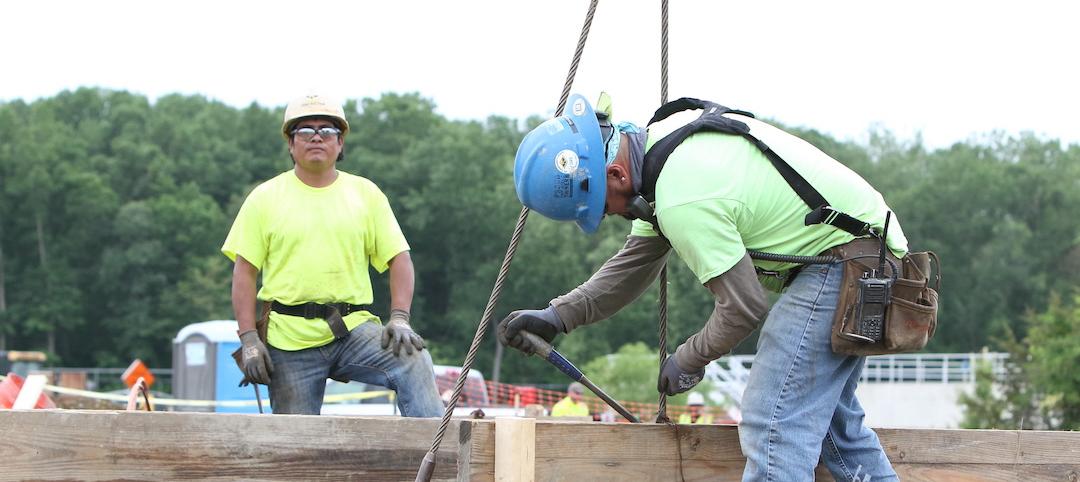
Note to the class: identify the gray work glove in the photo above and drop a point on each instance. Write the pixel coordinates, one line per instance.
(675, 379)
(398, 333)
(544, 323)
(256, 358)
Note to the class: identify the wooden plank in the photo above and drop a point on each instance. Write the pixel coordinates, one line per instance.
(30, 393)
(987, 472)
(940, 446)
(112, 445)
(613, 451)
(648, 452)
(515, 449)
(1038, 447)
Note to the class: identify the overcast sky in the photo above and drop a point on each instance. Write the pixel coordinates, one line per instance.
(950, 70)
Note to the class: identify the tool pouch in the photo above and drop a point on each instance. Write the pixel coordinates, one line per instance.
(911, 315)
(260, 327)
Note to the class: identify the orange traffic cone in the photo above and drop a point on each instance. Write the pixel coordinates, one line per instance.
(9, 392)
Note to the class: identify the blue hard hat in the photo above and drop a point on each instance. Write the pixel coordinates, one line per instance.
(560, 167)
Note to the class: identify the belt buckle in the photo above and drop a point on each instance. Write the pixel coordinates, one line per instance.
(310, 309)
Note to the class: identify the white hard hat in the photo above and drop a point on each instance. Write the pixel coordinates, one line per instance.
(695, 398)
(313, 105)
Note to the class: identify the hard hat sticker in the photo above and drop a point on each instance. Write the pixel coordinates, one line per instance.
(566, 161)
(579, 107)
(562, 187)
(554, 126)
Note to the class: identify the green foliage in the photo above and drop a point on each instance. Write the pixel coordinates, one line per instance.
(630, 374)
(1054, 341)
(627, 374)
(1041, 386)
(113, 208)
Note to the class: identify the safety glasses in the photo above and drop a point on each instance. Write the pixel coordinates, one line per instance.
(307, 133)
(607, 131)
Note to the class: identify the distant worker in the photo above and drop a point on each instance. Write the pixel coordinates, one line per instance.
(572, 405)
(313, 231)
(701, 181)
(697, 414)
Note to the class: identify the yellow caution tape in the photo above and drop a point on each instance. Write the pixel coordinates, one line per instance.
(331, 399)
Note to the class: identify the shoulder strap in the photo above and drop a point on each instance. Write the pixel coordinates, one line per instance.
(712, 119)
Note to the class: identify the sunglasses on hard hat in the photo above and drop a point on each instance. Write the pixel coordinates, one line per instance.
(307, 133)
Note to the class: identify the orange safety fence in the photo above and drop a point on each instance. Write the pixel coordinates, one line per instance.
(492, 394)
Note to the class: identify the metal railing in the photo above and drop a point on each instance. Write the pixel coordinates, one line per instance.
(930, 367)
(104, 379)
(729, 374)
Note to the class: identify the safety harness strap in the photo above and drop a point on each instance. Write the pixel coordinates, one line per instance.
(331, 312)
(713, 120)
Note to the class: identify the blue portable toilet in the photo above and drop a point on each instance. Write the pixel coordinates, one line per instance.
(203, 367)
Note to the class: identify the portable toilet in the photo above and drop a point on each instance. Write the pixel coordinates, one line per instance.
(203, 367)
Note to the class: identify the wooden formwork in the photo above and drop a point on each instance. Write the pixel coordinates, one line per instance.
(111, 445)
(651, 452)
(99, 445)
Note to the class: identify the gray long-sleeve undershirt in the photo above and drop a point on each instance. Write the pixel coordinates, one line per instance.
(740, 300)
(741, 306)
(620, 281)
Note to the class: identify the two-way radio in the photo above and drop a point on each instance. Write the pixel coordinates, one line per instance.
(873, 303)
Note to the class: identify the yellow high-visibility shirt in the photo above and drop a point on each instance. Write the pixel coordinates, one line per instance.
(315, 244)
(704, 419)
(567, 407)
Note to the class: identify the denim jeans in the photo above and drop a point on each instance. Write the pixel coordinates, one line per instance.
(299, 379)
(799, 405)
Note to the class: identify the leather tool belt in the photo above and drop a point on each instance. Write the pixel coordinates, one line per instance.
(911, 315)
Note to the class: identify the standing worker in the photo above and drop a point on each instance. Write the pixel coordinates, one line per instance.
(696, 413)
(712, 196)
(572, 404)
(313, 231)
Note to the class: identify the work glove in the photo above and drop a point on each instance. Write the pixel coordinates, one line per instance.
(256, 358)
(398, 333)
(676, 379)
(544, 323)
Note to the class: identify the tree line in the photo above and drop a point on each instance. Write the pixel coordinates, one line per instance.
(113, 209)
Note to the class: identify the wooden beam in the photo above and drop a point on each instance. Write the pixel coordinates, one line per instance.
(515, 449)
(652, 452)
(117, 445)
(114, 445)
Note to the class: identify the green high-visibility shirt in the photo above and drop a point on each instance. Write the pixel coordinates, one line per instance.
(719, 196)
(315, 245)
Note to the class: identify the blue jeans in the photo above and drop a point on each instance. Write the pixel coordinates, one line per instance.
(799, 405)
(299, 379)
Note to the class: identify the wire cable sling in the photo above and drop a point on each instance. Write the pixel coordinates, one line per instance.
(427, 466)
(661, 412)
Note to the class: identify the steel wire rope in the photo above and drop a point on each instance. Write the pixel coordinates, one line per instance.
(661, 412)
(427, 466)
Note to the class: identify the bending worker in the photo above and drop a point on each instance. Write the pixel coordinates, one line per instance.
(712, 194)
(313, 231)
